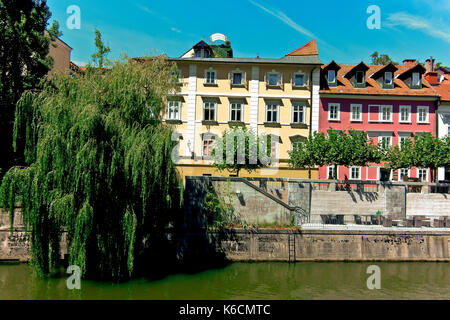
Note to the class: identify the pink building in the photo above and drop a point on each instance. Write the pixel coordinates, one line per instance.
(389, 102)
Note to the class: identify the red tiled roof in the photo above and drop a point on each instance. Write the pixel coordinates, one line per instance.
(307, 49)
(372, 86)
(444, 91)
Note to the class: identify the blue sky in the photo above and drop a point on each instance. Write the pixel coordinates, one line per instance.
(409, 28)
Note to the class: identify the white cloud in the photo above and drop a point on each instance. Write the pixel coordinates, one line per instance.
(285, 19)
(418, 23)
(175, 30)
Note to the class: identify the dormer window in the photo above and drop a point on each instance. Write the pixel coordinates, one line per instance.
(416, 81)
(360, 77)
(388, 78)
(331, 76)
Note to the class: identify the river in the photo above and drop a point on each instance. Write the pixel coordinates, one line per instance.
(245, 280)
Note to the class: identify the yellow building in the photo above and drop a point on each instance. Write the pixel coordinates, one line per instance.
(273, 96)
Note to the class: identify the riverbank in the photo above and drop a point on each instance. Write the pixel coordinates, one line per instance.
(321, 244)
(310, 243)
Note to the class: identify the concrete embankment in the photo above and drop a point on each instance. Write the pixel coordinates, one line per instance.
(323, 245)
(307, 244)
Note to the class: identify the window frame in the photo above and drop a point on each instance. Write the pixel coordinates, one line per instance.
(381, 137)
(334, 75)
(419, 80)
(241, 105)
(243, 77)
(279, 77)
(426, 174)
(206, 78)
(363, 77)
(178, 106)
(402, 137)
(391, 82)
(212, 139)
(351, 172)
(214, 108)
(400, 178)
(302, 111)
(334, 168)
(271, 104)
(299, 73)
(351, 112)
(381, 113)
(338, 111)
(400, 108)
(427, 118)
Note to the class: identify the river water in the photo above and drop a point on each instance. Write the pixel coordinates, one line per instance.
(245, 280)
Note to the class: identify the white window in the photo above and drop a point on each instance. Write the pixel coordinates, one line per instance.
(385, 141)
(403, 173)
(331, 171)
(295, 145)
(210, 76)
(174, 110)
(272, 112)
(359, 77)
(416, 81)
(273, 78)
(209, 111)
(422, 114)
(299, 79)
(388, 78)
(386, 113)
(355, 173)
(207, 145)
(331, 76)
(236, 111)
(298, 113)
(356, 114)
(422, 174)
(405, 114)
(334, 111)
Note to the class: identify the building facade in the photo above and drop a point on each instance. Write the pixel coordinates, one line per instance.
(279, 97)
(389, 102)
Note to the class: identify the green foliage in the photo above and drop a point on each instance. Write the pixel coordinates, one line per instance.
(379, 212)
(24, 61)
(425, 151)
(337, 148)
(99, 57)
(99, 166)
(382, 59)
(240, 148)
(219, 207)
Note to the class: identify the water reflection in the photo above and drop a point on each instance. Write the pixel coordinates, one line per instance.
(263, 280)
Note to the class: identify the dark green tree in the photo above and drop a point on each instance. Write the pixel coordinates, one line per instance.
(240, 148)
(337, 148)
(99, 57)
(381, 59)
(100, 166)
(24, 61)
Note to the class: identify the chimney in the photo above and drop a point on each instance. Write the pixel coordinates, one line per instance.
(430, 65)
(409, 62)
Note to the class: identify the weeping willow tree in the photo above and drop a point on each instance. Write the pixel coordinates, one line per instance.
(98, 167)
